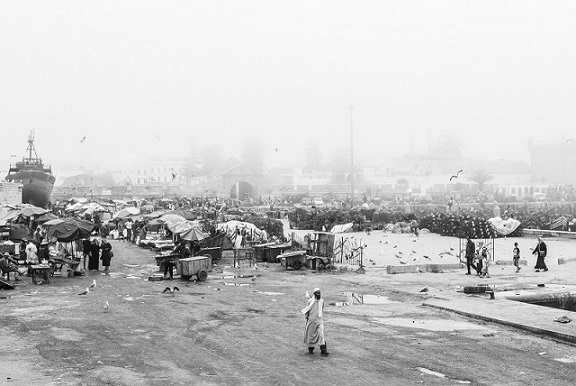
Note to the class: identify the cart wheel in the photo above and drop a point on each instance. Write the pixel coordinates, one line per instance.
(202, 275)
(320, 266)
(186, 277)
(297, 265)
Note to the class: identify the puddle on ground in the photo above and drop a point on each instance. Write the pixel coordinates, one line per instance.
(430, 324)
(354, 298)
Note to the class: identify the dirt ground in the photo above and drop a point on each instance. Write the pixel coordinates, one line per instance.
(249, 330)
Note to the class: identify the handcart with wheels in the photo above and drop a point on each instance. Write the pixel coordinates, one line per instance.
(198, 266)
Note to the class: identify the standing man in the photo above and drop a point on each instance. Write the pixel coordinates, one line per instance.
(31, 253)
(314, 333)
(516, 257)
(540, 251)
(470, 250)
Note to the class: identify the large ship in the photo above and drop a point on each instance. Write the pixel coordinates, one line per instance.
(36, 177)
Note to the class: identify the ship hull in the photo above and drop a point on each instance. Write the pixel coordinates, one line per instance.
(36, 187)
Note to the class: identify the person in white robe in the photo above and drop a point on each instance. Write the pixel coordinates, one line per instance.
(314, 333)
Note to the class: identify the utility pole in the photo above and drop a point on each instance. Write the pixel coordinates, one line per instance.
(352, 177)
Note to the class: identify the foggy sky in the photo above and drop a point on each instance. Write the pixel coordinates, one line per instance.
(162, 77)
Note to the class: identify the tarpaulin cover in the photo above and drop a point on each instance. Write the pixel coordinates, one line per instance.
(504, 227)
(342, 228)
(69, 229)
(187, 214)
(230, 229)
(32, 211)
(192, 234)
(127, 212)
(19, 232)
(171, 218)
(45, 217)
(155, 214)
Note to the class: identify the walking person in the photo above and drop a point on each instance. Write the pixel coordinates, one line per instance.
(540, 251)
(470, 249)
(314, 333)
(107, 255)
(516, 257)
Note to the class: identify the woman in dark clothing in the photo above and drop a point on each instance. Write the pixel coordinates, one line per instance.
(93, 263)
(540, 251)
(106, 254)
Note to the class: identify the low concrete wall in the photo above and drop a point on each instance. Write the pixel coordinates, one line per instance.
(510, 262)
(435, 268)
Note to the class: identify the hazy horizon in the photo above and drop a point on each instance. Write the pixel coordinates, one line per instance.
(141, 77)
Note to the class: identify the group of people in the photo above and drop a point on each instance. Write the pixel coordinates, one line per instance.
(91, 249)
(477, 258)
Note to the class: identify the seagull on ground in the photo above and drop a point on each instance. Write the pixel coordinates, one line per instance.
(93, 284)
(107, 307)
(85, 292)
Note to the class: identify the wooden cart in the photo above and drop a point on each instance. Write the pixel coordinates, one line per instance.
(197, 265)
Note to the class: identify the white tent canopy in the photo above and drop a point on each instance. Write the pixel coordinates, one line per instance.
(341, 228)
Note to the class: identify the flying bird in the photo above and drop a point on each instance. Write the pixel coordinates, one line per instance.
(93, 284)
(276, 150)
(395, 246)
(174, 176)
(107, 307)
(456, 175)
(307, 295)
(426, 257)
(171, 290)
(570, 140)
(83, 139)
(85, 292)
(13, 155)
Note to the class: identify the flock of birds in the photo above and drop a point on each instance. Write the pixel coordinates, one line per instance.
(413, 254)
(91, 287)
(87, 290)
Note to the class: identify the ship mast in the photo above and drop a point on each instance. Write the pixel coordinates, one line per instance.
(31, 148)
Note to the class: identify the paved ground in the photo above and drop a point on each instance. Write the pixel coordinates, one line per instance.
(242, 331)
